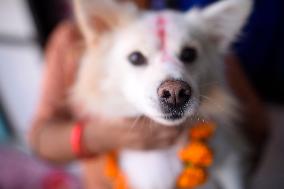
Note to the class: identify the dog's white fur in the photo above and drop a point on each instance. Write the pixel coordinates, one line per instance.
(109, 85)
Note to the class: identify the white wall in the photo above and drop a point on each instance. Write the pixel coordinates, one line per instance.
(20, 64)
(15, 19)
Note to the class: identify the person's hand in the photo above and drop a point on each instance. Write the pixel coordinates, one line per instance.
(140, 133)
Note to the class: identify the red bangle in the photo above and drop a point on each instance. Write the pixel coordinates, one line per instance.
(76, 139)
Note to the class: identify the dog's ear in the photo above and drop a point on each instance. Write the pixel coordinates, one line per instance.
(97, 17)
(222, 21)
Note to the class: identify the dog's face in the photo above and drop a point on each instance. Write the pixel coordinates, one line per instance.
(156, 64)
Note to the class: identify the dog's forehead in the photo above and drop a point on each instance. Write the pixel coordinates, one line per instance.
(167, 19)
(164, 31)
(161, 26)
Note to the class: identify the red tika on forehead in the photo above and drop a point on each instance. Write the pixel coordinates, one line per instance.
(161, 32)
(162, 36)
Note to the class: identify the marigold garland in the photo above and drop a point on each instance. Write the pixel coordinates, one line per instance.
(113, 172)
(202, 131)
(196, 153)
(196, 156)
(191, 177)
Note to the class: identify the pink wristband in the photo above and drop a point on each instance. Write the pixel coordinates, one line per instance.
(76, 140)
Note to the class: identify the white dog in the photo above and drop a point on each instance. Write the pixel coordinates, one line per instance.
(168, 66)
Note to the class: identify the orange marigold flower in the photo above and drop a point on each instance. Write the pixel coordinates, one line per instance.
(111, 167)
(197, 153)
(120, 182)
(191, 177)
(202, 131)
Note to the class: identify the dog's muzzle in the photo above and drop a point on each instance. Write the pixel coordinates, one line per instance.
(174, 96)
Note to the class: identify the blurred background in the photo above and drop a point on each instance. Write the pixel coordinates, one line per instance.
(25, 26)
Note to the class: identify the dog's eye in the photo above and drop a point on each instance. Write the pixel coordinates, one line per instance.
(188, 55)
(137, 58)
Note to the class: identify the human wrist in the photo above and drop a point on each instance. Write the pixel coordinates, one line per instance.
(92, 138)
(78, 142)
(100, 136)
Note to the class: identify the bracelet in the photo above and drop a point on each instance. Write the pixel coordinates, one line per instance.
(77, 139)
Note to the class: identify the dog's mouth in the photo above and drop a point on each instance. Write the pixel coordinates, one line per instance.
(173, 117)
(174, 113)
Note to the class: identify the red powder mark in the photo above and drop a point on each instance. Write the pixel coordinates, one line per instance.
(161, 32)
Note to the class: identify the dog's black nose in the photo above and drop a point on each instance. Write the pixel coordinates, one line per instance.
(174, 94)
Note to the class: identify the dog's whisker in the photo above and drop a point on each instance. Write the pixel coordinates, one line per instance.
(134, 124)
(148, 123)
(151, 122)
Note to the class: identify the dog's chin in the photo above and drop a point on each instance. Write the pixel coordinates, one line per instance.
(170, 119)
